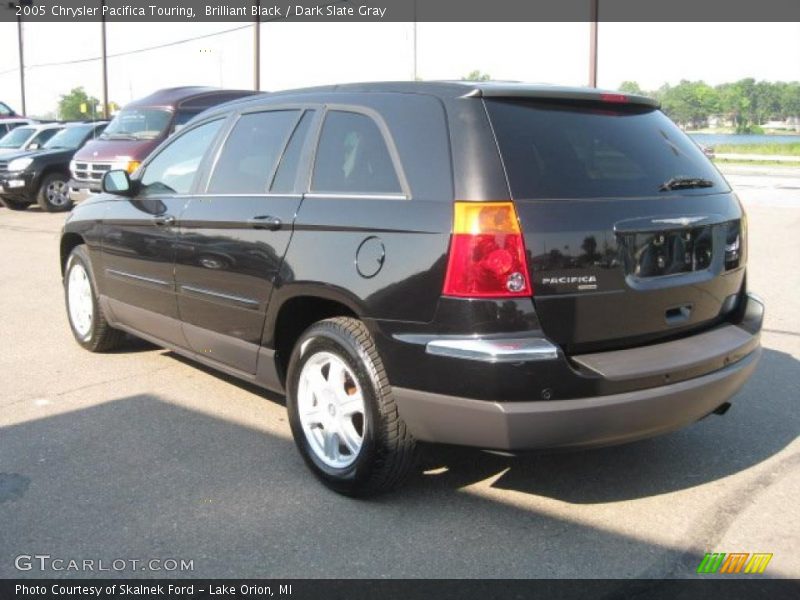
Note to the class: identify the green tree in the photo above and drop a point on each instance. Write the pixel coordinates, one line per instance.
(477, 75)
(631, 87)
(69, 106)
(790, 100)
(690, 102)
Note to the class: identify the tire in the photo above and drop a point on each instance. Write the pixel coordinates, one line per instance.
(387, 452)
(53, 195)
(94, 333)
(12, 204)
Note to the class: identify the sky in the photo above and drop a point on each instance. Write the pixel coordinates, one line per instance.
(303, 54)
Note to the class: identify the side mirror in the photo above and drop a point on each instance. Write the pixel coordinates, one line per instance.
(117, 182)
(34, 146)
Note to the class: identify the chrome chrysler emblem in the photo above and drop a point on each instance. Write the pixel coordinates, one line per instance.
(684, 221)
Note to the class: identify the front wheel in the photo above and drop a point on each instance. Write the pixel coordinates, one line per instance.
(53, 193)
(86, 318)
(342, 412)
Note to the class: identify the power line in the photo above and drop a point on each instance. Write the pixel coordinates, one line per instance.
(129, 52)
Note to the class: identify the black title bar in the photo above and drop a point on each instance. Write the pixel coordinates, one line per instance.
(401, 589)
(399, 10)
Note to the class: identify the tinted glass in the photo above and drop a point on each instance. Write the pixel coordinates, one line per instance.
(570, 150)
(70, 137)
(287, 170)
(182, 117)
(352, 157)
(251, 152)
(16, 137)
(45, 135)
(138, 124)
(174, 169)
(5, 110)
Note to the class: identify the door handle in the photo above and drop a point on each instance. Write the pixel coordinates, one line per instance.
(164, 221)
(265, 222)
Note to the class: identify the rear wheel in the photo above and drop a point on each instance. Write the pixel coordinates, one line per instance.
(12, 204)
(86, 318)
(53, 193)
(342, 413)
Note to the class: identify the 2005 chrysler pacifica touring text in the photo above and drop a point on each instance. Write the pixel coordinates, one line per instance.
(496, 265)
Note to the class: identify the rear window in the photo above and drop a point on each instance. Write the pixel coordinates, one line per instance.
(590, 150)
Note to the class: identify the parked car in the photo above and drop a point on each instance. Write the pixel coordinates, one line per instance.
(504, 266)
(137, 129)
(708, 150)
(11, 123)
(41, 175)
(31, 136)
(6, 112)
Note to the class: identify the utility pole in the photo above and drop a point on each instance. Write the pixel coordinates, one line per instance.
(105, 61)
(13, 6)
(415, 49)
(257, 49)
(593, 9)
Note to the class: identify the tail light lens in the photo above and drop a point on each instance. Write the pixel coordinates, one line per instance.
(487, 253)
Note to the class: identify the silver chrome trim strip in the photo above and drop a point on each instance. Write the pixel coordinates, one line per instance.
(124, 275)
(494, 350)
(205, 292)
(357, 196)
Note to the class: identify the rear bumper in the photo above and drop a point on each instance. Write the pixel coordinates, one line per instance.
(581, 422)
(601, 419)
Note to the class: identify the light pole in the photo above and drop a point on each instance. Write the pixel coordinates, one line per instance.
(593, 10)
(13, 6)
(257, 49)
(105, 62)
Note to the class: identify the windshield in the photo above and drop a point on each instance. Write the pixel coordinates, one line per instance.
(597, 150)
(138, 124)
(71, 137)
(16, 137)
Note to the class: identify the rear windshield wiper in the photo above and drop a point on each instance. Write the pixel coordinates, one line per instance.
(684, 183)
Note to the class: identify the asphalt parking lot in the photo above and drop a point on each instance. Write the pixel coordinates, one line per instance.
(140, 454)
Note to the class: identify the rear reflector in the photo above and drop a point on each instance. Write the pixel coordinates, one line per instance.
(487, 253)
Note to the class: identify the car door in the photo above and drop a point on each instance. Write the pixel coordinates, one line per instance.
(234, 235)
(140, 235)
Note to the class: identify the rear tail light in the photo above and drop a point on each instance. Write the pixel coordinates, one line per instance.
(487, 253)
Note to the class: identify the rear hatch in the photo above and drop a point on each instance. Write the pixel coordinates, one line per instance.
(632, 235)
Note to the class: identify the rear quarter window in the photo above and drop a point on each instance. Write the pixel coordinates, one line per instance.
(352, 157)
(593, 150)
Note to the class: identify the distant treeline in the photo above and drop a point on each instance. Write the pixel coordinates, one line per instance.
(745, 105)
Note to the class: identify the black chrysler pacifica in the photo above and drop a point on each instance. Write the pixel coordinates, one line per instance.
(497, 265)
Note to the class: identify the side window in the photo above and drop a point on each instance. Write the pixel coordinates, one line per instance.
(43, 136)
(251, 152)
(287, 170)
(182, 117)
(174, 169)
(352, 157)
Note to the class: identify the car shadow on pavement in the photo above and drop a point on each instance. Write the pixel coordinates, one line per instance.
(761, 422)
(142, 477)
